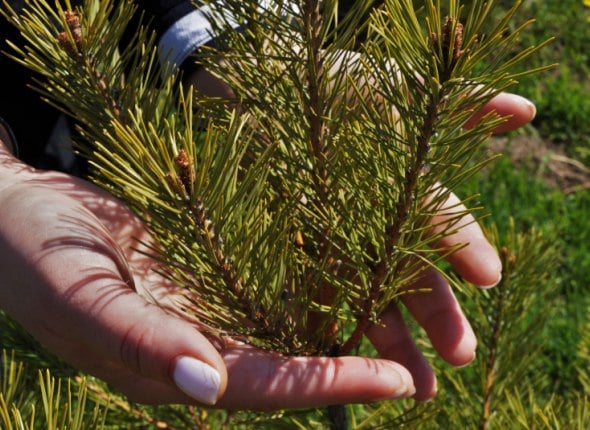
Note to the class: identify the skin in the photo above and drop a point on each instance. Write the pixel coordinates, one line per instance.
(70, 274)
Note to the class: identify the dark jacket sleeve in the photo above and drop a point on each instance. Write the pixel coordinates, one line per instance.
(31, 119)
(181, 27)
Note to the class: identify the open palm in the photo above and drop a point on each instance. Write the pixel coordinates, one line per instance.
(72, 275)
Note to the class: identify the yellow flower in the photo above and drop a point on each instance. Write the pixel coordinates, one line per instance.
(587, 3)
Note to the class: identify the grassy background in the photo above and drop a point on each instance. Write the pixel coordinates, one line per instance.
(562, 96)
(530, 188)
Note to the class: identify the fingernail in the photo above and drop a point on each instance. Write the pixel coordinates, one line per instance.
(525, 102)
(531, 107)
(403, 382)
(487, 287)
(197, 379)
(468, 362)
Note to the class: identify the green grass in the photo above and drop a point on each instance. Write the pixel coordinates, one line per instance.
(511, 192)
(561, 95)
(519, 192)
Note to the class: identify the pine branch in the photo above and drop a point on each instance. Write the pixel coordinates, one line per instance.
(306, 205)
(493, 343)
(518, 308)
(393, 233)
(50, 404)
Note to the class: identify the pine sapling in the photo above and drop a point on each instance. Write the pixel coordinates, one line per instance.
(296, 210)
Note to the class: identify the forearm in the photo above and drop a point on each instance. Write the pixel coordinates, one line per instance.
(6, 153)
(6, 161)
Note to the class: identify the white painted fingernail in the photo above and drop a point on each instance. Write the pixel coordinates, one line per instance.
(487, 287)
(197, 379)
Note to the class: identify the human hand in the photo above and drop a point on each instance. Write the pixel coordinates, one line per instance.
(437, 310)
(71, 274)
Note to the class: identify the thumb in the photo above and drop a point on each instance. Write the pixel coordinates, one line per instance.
(100, 325)
(65, 283)
(150, 344)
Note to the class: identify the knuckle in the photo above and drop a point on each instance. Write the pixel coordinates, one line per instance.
(134, 348)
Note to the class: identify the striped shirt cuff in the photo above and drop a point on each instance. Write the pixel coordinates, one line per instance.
(185, 36)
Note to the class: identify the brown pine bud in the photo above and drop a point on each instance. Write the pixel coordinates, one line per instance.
(77, 33)
(73, 22)
(182, 160)
(449, 44)
(72, 19)
(299, 242)
(185, 170)
(452, 37)
(75, 30)
(65, 42)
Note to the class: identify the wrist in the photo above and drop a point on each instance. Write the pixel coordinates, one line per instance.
(11, 168)
(207, 84)
(7, 139)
